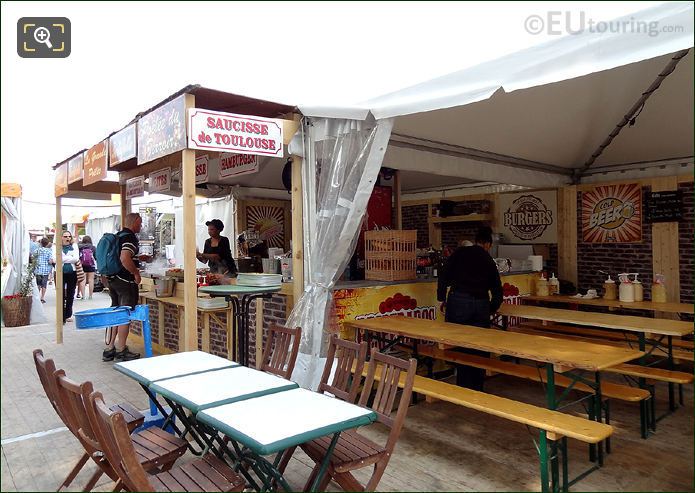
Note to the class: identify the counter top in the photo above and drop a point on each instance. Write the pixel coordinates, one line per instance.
(433, 280)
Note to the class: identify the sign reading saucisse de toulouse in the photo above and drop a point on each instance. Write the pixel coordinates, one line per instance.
(528, 217)
(217, 131)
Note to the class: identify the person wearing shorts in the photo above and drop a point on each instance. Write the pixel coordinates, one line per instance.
(123, 288)
(44, 266)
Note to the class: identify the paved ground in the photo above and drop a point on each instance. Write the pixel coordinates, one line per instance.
(442, 448)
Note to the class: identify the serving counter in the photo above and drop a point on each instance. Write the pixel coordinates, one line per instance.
(214, 324)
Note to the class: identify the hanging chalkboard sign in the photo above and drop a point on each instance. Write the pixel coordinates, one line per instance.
(664, 207)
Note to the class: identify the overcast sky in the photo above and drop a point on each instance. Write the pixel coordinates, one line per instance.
(127, 56)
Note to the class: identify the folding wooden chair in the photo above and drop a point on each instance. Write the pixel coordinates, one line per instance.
(280, 351)
(206, 474)
(354, 451)
(154, 447)
(46, 370)
(346, 355)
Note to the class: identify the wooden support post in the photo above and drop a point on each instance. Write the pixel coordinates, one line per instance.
(190, 290)
(124, 206)
(297, 228)
(398, 202)
(666, 257)
(567, 234)
(58, 278)
(259, 332)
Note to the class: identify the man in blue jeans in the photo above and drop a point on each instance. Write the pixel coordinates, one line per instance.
(475, 294)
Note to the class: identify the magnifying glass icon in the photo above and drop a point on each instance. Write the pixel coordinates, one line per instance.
(43, 35)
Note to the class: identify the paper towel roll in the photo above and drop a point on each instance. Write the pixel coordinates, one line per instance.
(536, 262)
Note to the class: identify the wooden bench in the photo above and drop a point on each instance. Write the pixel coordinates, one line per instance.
(609, 390)
(554, 425)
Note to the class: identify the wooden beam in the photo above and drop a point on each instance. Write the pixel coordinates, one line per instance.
(124, 206)
(567, 233)
(645, 182)
(173, 160)
(12, 190)
(58, 278)
(665, 254)
(297, 228)
(398, 204)
(190, 295)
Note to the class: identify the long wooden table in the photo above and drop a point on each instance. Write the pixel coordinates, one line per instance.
(564, 356)
(567, 354)
(643, 325)
(669, 307)
(640, 325)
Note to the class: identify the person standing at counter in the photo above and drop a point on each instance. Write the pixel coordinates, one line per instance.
(475, 294)
(217, 252)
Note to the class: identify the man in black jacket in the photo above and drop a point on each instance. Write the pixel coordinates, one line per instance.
(475, 294)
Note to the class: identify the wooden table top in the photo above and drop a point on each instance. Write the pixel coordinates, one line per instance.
(637, 305)
(605, 320)
(572, 354)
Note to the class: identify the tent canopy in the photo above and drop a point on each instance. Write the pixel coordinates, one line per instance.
(535, 117)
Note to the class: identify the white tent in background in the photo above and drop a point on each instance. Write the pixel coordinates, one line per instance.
(535, 117)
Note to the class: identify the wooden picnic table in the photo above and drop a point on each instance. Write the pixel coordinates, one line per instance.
(669, 307)
(643, 325)
(568, 354)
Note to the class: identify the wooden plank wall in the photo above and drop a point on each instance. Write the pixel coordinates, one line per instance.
(567, 233)
(665, 244)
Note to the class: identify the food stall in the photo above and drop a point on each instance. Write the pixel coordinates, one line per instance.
(200, 143)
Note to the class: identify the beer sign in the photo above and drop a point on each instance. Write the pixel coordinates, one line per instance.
(612, 214)
(528, 217)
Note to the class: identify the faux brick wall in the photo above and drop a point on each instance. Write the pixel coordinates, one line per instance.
(274, 312)
(453, 233)
(415, 217)
(614, 258)
(686, 230)
(552, 260)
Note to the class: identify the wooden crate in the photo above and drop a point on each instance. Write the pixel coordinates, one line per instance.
(390, 255)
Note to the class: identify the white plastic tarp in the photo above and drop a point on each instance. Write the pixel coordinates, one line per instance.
(16, 250)
(551, 104)
(222, 209)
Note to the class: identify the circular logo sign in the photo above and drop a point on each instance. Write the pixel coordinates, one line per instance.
(528, 217)
(611, 213)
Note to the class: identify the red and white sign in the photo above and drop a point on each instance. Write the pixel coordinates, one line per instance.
(237, 165)
(217, 131)
(202, 169)
(135, 187)
(160, 181)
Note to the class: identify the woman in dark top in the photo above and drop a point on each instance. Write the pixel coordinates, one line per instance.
(217, 252)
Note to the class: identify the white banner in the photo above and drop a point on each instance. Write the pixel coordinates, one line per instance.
(528, 217)
(135, 187)
(217, 131)
(237, 165)
(160, 181)
(202, 169)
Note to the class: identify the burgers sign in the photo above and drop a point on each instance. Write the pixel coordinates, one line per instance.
(528, 217)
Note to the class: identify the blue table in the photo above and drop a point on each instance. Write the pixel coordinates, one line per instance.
(241, 298)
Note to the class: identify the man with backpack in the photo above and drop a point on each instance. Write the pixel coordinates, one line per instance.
(116, 259)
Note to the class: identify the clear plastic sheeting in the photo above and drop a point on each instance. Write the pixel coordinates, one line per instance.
(342, 159)
(16, 250)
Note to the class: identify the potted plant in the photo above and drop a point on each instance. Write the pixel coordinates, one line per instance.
(16, 308)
